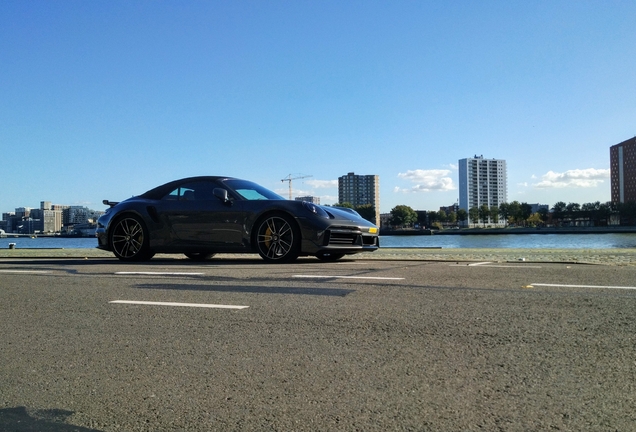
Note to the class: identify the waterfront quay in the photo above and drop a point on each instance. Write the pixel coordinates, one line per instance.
(513, 230)
(612, 257)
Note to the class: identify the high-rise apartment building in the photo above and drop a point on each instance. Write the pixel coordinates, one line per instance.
(623, 171)
(360, 190)
(482, 181)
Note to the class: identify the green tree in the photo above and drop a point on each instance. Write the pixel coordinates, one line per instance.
(590, 212)
(627, 212)
(573, 211)
(534, 219)
(403, 215)
(504, 212)
(452, 218)
(604, 213)
(494, 214)
(525, 211)
(514, 211)
(473, 215)
(422, 218)
(558, 212)
(431, 218)
(462, 215)
(484, 214)
(344, 204)
(367, 211)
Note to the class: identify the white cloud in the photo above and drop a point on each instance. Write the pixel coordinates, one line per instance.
(322, 184)
(427, 180)
(328, 199)
(577, 178)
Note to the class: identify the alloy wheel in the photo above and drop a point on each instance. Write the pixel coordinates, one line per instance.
(128, 239)
(276, 240)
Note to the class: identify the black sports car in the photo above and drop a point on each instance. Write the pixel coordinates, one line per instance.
(201, 216)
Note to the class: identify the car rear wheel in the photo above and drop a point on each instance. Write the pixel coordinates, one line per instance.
(199, 256)
(129, 239)
(278, 238)
(329, 257)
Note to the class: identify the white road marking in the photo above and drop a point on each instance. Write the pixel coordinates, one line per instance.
(160, 273)
(493, 265)
(199, 305)
(479, 263)
(584, 286)
(26, 271)
(346, 277)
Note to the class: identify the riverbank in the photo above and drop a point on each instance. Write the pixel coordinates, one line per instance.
(611, 257)
(512, 230)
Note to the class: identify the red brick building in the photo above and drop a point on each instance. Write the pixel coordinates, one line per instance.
(623, 171)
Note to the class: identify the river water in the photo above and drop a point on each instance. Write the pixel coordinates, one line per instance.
(515, 241)
(504, 241)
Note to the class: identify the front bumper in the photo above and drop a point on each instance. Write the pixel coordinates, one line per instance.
(341, 239)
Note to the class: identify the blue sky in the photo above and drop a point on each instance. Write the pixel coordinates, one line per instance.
(107, 99)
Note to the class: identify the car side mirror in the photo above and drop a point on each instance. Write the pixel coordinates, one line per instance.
(221, 194)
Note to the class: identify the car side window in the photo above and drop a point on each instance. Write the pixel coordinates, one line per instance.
(196, 191)
(180, 194)
(172, 196)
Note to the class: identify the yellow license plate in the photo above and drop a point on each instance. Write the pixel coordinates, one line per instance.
(373, 230)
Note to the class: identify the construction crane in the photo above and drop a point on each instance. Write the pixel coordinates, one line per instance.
(289, 179)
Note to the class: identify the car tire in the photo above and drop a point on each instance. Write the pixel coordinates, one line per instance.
(129, 239)
(277, 238)
(199, 256)
(329, 257)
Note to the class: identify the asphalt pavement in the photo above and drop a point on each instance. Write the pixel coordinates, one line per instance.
(614, 257)
(234, 344)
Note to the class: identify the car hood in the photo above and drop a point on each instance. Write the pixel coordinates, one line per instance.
(345, 214)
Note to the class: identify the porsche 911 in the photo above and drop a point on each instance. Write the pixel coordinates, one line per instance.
(202, 216)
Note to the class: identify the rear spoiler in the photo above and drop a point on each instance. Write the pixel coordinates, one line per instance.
(110, 203)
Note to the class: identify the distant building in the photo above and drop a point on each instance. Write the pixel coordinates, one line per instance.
(311, 199)
(22, 212)
(482, 181)
(8, 221)
(80, 215)
(385, 220)
(48, 219)
(450, 209)
(360, 190)
(51, 221)
(623, 171)
(45, 221)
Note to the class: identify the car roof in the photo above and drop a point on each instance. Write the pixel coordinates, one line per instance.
(160, 191)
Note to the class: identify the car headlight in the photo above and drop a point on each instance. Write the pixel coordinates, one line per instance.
(318, 211)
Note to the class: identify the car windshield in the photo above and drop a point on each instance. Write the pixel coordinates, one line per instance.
(251, 191)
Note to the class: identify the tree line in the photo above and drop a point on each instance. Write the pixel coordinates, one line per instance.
(521, 214)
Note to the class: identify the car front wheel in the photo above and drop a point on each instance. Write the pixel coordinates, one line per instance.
(129, 239)
(278, 239)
